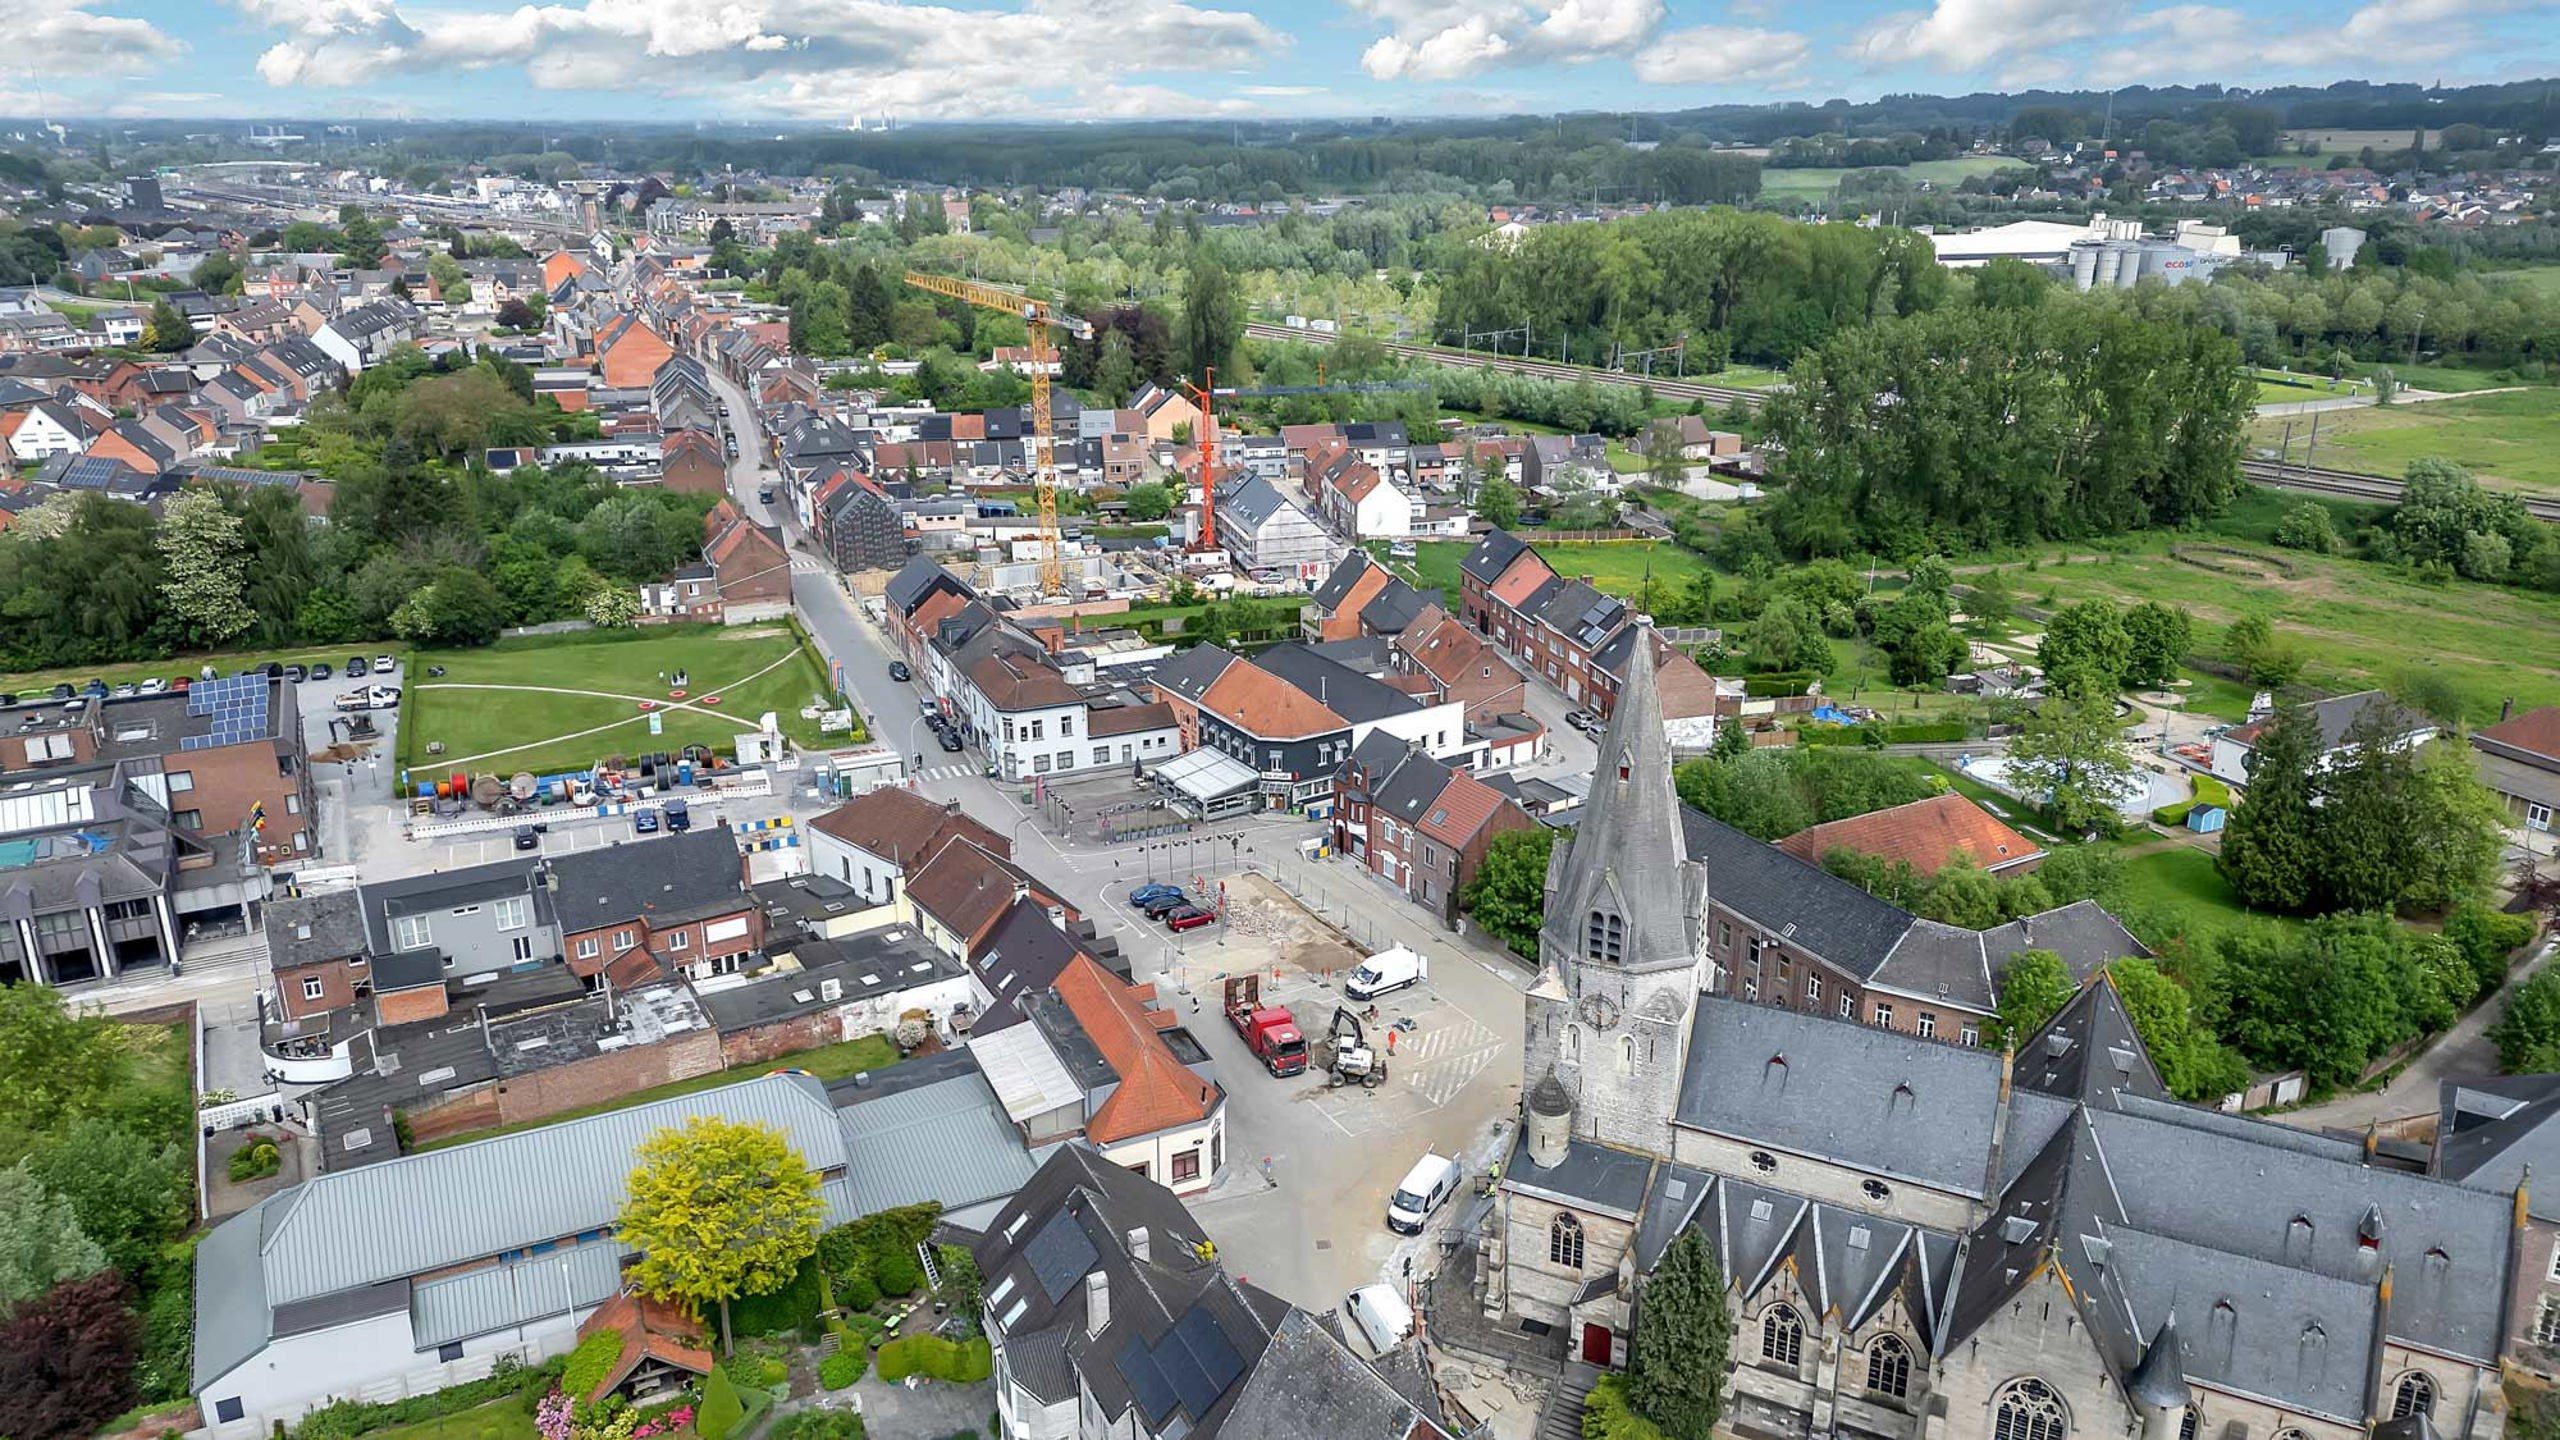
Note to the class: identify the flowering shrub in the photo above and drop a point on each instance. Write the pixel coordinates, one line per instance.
(551, 1417)
(672, 1421)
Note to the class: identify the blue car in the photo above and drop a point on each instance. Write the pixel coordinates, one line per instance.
(1147, 894)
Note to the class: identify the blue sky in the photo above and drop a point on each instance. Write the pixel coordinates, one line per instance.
(835, 61)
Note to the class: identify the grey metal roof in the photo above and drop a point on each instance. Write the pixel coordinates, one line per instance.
(1814, 909)
(1856, 1095)
(402, 1218)
(1593, 1176)
(1628, 857)
(2089, 1049)
(1255, 501)
(500, 1297)
(948, 1142)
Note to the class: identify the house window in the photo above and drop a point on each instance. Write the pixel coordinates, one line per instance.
(2546, 1321)
(1889, 1368)
(1040, 763)
(180, 782)
(227, 1409)
(311, 987)
(1972, 1034)
(588, 948)
(1884, 1016)
(522, 946)
(680, 940)
(1848, 1007)
(1066, 725)
(514, 913)
(2028, 1410)
(449, 1351)
(1781, 1337)
(621, 940)
(409, 932)
(1186, 1165)
(1102, 754)
(2416, 1396)
(1813, 991)
(1564, 1242)
(1928, 1025)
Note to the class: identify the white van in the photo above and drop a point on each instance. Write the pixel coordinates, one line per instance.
(1433, 1179)
(1380, 1315)
(1387, 971)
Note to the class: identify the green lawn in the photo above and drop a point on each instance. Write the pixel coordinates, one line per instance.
(1745, 377)
(2512, 437)
(497, 1420)
(829, 1062)
(2360, 624)
(2448, 377)
(532, 728)
(1811, 183)
(226, 662)
(2545, 278)
(1615, 566)
(2180, 881)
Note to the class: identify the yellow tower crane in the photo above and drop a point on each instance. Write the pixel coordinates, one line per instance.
(1037, 316)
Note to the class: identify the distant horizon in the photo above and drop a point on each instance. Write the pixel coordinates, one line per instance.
(824, 63)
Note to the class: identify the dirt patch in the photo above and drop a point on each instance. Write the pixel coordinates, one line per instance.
(2224, 560)
(751, 632)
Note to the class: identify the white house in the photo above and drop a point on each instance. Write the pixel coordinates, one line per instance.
(1360, 500)
(44, 429)
(2235, 750)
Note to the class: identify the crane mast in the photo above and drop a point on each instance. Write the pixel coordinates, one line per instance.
(1037, 316)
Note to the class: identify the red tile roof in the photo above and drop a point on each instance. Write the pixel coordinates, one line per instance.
(1528, 571)
(1156, 1091)
(2536, 731)
(1926, 833)
(1266, 706)
(1465, 804)
(905, 828)
(653, 1328)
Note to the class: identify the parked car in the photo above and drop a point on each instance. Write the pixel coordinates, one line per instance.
(899, 672)
(1381, 1316)
(127, 690)
(1154, 891)
(1387, 971)
(321, 671)
(371, 697)
(296, 673)
(63, 692)
(1432, 1179)
(950, 740)
(180, 684)
(1188, 917)
(95, 690)
(1170, 899)
(357, 665)
(644, 822)
(155, 686)
(928, 705)
(528, 838)
(384, 665)
(1584, 721)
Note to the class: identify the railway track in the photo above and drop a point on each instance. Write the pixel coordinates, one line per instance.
(2354, 485)
(1663, 385)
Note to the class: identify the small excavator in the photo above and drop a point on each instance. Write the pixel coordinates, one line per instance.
(1351, 1059)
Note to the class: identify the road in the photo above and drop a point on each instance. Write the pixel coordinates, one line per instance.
(2464, 1052)
(1319, 1231)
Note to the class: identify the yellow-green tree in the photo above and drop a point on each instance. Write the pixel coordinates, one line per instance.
(719, 1209)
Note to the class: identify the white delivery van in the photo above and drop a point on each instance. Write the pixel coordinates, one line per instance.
(1386, 971)
(1380, 1315)
(1433, 1179)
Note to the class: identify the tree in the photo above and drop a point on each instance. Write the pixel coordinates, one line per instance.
(1964, 895)
(167, 332)
(1787, 636)
(129, 1190)
(515, 314)
(1508, 895)
(2085, 645)
(718, 1209)
(41, 1243)
(1498, 501)
(206, 565)
(2307, 525)
(2270, 842)
(1150, 501)
(721, 1408)
(2365, 814)
(2156, 640)
(2528, 1030)
(2457, 833)
(1732, 742)
(1663, 462)
(1115, 368)
(2070, 756)
(1212, 320)
(66, 1360)
(1676, 1364)
(1989, 604)
(1920, 647)
(2192, 1063)
(2033, 989)
(613, 607)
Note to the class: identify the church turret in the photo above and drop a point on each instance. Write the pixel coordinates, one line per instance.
(2158, 1386)
(1622, 953)
(1550, 1123)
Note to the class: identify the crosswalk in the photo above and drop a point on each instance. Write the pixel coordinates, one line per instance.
(946, 772)
(808, 565)
(1440, 1081)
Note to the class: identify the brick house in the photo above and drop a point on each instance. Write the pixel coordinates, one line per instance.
(691, 461)
(645, 909)
(1461, 665)
(1926, 835)
(1418, 823)
(748, 563)
(628, 353)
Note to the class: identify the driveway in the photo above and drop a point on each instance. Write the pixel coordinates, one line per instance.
(2461, 1053)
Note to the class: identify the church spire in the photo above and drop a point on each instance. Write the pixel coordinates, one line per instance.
(1627, 893)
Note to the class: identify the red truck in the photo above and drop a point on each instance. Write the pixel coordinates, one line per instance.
(1270, 1033)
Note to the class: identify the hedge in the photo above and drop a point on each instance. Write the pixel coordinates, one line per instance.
(347, 1419)
(1777, 683)
(843, 1367)
(721, 1410)
(793, 1308)
(1929, 732)
(962, 1362)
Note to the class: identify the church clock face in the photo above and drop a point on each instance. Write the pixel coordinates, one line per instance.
(1599, 1012)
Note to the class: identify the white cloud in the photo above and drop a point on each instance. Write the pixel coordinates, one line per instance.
(59, 42)
(1969, 34)
(2018, 44)
(831, 60)
(1445, 41)
(1722, 54)
(1280, 92)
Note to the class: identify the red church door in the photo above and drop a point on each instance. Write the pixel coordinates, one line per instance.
(1595, 1344)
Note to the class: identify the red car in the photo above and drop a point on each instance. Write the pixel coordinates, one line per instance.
(1188, 917)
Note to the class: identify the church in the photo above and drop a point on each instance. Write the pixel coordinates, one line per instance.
(1926, 1239)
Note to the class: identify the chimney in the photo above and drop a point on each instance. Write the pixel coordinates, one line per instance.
(1097, 1302)
(1140, 1248)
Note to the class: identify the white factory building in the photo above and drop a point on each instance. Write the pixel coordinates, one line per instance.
(2101, 254)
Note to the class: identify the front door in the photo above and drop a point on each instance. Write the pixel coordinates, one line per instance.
(1595, 1344)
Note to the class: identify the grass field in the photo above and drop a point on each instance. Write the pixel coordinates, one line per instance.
(2448, 377)
(2512, 437)
(2181, 880)
(1817, 183)
(2545, 278)
(828, 1062)
(497, 1420)
(226, 662)
(2360, 624)
(539, 730)
(1616, 566)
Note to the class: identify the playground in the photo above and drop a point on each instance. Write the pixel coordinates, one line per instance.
(554, 703)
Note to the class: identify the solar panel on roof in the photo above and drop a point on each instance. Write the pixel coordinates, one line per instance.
(1200, 1359)
(1147, 1382)
(1059, 1255)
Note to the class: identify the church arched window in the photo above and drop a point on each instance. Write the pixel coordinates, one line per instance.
(1573, 1044)
(1626, 1054)
(2416, 1395)
(1781, 1336)
(1564, 1242)
(1889, 1367)
(2028, 1410)
(1604, 937)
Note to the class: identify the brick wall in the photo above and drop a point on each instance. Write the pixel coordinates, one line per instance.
(230, 779)
(337, 988)
(605, 1077)
(408, 1007)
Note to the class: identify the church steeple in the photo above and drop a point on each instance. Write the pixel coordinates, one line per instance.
(1625, 893)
